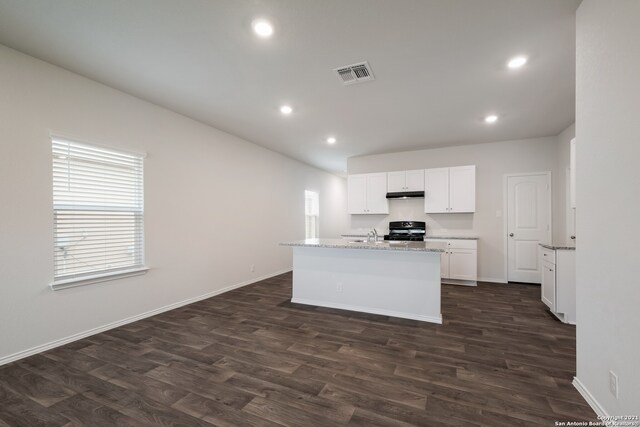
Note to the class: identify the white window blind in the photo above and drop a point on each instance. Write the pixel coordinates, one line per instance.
(98, 211)
(311, 214)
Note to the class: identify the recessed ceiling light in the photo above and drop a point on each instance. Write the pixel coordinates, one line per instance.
(262, 28)
(331, 140)
(517, 62)
(286, 110)
(491, 118)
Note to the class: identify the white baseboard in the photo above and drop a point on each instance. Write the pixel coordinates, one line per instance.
(62, 341)
(459, 282)
(491, 280)
(597, 408)
(382, 312)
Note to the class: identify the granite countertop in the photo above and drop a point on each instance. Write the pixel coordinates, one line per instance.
(452, 237)
(380, 245)
(426, 237)
(558, 247)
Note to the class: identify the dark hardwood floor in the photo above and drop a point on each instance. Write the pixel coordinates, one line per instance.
(250, 357)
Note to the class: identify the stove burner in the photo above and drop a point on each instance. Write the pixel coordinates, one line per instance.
(406, 230)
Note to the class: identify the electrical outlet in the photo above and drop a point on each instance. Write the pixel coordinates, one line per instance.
(613, 384)
(252, 268)
(339, 287)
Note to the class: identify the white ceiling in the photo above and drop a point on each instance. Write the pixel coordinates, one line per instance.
(439, 66)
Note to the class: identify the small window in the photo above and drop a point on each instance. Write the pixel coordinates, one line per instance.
(311, 215)
(98, 213)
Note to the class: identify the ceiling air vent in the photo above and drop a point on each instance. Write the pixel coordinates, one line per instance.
(356, 73)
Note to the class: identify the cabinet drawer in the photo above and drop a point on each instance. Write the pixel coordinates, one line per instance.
(548, 255)
(462, 244)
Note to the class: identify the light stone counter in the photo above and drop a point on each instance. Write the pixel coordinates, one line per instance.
(380, 245)
(558, 247)
(453, 237)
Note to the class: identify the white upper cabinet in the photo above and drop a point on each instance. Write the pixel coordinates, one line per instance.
(415, 180)
(357, 193)
(377, 202)
(396, 181)
(436, 190)
(401, 181)
(367, 193)
(450, 190)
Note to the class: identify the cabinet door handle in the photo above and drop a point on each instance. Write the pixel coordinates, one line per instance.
(573, 237)
(510, 234)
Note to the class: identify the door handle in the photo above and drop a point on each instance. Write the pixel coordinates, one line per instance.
(510, 234)
(573, 237)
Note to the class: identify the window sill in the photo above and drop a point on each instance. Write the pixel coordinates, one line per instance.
(96, 278)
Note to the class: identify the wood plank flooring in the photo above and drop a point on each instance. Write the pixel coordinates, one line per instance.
(252, 358)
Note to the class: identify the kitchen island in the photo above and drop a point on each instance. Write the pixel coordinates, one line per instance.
(399, 279)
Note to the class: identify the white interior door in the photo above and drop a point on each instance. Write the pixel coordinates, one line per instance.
(528, 223)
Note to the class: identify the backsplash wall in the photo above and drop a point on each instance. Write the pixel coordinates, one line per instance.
(413, 210)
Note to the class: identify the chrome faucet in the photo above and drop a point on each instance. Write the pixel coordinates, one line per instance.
(372, 234)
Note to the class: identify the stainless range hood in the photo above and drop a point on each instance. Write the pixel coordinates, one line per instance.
(406, 195)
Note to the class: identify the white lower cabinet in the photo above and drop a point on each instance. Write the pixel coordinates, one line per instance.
(459, 261)
(558, 287)
(463, 264)
(549, 285)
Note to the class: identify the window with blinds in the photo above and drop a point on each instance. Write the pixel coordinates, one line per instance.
(98, 210)
(311, 214)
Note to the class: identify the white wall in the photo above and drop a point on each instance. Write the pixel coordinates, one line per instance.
(608, 202)
(493, 160)
(214, 204)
